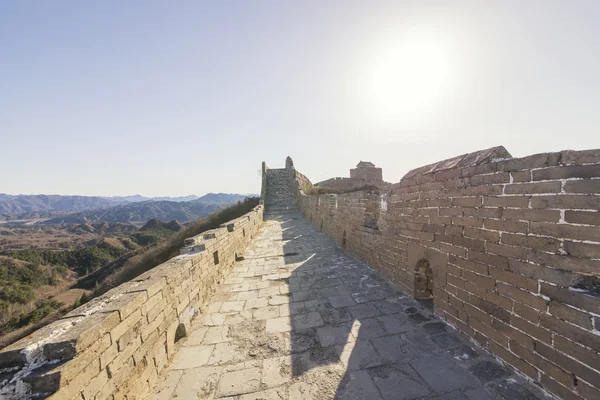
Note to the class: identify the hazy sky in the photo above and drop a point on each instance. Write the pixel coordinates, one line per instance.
(174, 97)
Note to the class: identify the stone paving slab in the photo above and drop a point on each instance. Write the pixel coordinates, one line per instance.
(298, 318)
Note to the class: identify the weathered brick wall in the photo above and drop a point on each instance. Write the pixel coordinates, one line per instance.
(114, 346)
(514, 248)
(302, 181)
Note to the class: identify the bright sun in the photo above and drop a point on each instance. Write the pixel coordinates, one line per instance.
(409, 77)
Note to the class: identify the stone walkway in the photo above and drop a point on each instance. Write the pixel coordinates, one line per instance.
(299, 318)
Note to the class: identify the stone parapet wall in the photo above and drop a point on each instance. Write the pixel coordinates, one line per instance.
(514, 250)
(114, 346)
(263, 186)
(302, 181)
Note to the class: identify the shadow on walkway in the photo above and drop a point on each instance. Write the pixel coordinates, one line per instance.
(377, 342)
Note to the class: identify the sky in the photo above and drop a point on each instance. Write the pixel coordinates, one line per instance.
(187, 97)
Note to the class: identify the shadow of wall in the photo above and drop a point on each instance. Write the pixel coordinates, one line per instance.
(324, 280)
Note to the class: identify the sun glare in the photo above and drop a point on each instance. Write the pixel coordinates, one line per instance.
(409, 77)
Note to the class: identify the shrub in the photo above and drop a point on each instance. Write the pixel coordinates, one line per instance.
(43, 309)
(162, 251)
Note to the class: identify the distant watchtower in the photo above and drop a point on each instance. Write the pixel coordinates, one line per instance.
(366, 171)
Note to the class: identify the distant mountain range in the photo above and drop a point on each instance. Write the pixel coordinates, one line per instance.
(139, 198)
(222, 198)
(141, 212)
(90, 209)
(213, 198)
(21, 204)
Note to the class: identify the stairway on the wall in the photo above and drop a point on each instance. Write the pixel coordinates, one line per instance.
(280, 190)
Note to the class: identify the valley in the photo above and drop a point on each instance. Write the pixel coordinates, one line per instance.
(54, 260)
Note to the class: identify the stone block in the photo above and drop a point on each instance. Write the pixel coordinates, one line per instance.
(276, 371)
(266, 312)
(505, 225)
(192, 357)
(582, 217)
(358, 355)
(531, 188)
(364, 311)
(467, 201)
(566, 202)
(565, 172)
(359, 386)
(398, 381)
(236, 383)
(531, 215)
(281, 324)
(216, 334)
(342, 301)
(394, 349)
(591, 186)
(366, 329)
(189, 383)
(516, 164)
(580, 157)
(442, 373)
(395, 323)
(227, 352)
(305, 321)
(506, 201)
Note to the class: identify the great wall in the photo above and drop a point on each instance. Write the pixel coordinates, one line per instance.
(476, 277)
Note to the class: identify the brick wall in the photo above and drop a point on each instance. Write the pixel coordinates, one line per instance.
(302, 181)
(514, 250)
(115, 345)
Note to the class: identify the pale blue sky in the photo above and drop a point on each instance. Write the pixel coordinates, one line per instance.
(174, 98)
